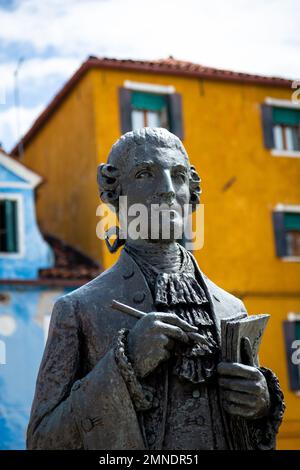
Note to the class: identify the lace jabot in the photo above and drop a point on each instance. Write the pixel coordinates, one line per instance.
(181, 293)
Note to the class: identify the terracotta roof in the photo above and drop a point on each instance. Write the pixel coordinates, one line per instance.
(70, 263)
(168, 66)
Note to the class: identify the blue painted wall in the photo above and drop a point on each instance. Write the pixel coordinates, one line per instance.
(35, 252)
(24, 312)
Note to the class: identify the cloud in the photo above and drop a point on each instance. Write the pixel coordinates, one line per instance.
(14, 123)
(251, 35)
(54, 37)
(36, 70)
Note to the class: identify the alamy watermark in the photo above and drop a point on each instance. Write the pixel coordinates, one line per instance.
(296, 354)
(153, 222)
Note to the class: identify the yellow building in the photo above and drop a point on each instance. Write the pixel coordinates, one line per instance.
(241, 132)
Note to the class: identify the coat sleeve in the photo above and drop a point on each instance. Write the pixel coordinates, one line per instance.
(93, 412)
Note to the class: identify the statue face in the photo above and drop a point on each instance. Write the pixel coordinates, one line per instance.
(159, 180)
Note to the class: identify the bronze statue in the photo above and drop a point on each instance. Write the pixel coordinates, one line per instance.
(109, 380)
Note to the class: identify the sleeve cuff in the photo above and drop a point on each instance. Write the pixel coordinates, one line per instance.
(142, 398)
(264, 430)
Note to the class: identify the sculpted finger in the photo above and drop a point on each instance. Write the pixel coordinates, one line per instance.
(171, 331)
(239, 385)
(237, 410)
(240, 399)
(234, 369)
(200, 339)
(173, 319)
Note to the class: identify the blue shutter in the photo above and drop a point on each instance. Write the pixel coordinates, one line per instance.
(279, 232)
(267, 124)
(175, 114)
(289, 328)
(125, 110)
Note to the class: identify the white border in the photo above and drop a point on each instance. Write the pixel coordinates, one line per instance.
(20, 222)
(287, 208)
(20, 170)
(291, 259)
(282, 103)
(149, 87)
(293, 316)
(285, 153)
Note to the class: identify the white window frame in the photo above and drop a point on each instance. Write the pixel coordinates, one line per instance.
(149, 87)
(280, 103)
(20, 225)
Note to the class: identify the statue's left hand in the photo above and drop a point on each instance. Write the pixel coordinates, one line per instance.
(244, 390)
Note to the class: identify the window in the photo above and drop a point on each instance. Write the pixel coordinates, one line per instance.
(291, 329)
(145, 109)
(8, 226)
(286, 128)
(287, 233)
(148, 110)
(281, 126)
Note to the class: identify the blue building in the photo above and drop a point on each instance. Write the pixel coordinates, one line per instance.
(35, 270)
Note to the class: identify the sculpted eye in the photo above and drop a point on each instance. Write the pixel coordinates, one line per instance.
(143, 174)
(180, 175)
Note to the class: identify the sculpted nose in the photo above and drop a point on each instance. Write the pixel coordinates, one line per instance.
(166, 190)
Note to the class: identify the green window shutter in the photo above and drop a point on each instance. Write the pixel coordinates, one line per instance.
(267, 124)
(286, 116)
(148, 101)
(291, 221)
(11, 226)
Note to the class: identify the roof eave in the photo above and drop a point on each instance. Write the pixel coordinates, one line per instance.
(154, 67)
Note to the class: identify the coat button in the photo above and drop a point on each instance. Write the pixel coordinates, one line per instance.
(138, 297)
(128, 272)
(87, 424)
(196, 393)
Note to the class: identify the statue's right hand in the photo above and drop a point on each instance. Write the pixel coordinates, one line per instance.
(152, 338)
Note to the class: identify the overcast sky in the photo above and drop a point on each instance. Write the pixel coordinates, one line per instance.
(53, 37)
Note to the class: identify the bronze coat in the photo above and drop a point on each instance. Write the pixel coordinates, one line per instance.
(81, 400)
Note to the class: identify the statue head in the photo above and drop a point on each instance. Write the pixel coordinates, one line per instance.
(150, 166)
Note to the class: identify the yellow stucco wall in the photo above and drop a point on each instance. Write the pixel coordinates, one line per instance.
(64, 154)
(223, 136)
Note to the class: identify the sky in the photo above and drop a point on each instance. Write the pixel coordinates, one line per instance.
(43, 42)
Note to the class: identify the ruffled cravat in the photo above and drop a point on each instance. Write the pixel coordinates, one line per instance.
(180, 293)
